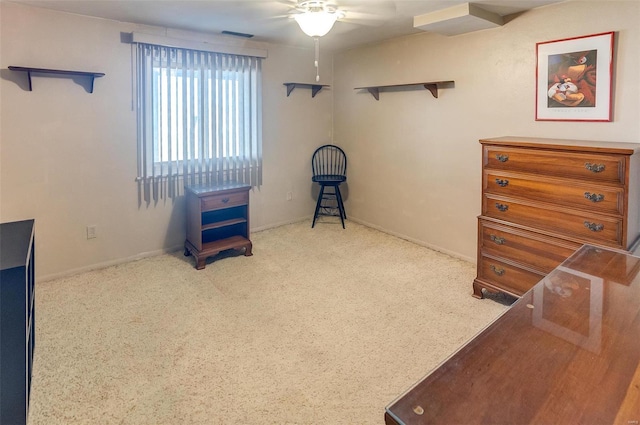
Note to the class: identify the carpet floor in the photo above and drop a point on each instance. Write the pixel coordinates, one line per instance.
(319, 326)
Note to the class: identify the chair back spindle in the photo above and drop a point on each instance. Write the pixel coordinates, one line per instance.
(329, 160)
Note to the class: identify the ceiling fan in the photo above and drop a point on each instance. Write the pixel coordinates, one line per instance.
(359, 12)
(317, 17)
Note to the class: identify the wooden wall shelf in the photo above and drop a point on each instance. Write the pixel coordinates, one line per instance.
(91, 75)
(431, 86)
(315, 88)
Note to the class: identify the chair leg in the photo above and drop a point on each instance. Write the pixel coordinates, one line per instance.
(339, 194)
(318, 203)
(340, 205)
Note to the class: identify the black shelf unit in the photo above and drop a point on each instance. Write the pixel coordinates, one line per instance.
(17, 319)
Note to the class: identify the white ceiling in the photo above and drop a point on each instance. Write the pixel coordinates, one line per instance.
(366, 21)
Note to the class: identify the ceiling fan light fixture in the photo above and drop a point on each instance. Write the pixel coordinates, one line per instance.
(316, 23)
(316, 20)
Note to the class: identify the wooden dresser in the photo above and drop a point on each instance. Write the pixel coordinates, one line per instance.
(543, 198)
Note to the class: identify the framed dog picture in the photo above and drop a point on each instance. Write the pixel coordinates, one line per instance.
(574, 78)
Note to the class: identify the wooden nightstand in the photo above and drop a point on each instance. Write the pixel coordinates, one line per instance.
(217, 220)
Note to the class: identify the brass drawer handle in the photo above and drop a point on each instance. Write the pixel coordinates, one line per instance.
(593, 226)
(497, 239)
(502, 183)
(496, 270)
(596, 168)
(502, 207)
(502, 157)
(594, 197)
(225, 200)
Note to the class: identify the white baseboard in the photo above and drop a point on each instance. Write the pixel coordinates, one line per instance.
(254, 230)
(109, 263)
(281, 223)
(415, 241)
(142, 255)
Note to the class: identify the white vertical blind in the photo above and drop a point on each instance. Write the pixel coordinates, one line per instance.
(199, 119)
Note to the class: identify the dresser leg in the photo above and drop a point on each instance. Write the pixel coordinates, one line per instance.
(201, 262)
(247, 249)
(477, 291)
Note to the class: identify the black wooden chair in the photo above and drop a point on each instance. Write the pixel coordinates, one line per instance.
(329, 165)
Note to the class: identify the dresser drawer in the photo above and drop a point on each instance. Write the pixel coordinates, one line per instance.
(575, 194)
(583, 166)
(539, 252)
(225, 200)
(564, 222)
(508, 276)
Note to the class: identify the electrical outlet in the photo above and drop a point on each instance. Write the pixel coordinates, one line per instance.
(91, 231)
(289, 196)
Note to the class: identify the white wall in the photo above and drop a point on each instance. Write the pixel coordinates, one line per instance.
(68, 158)
(415, 161)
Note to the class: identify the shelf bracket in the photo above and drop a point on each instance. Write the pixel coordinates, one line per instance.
(290, 87)
(315, 89)
(433, 88)
(375, 92)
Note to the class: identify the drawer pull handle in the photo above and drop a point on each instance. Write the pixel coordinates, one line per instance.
(502, 158)
(596, 168)
(497, 239)
(502, 207)
(594, 197)
(225, 200)
(496, 270)
(502, 183)
(593, 226)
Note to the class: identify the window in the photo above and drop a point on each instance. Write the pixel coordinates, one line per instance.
(199, 119)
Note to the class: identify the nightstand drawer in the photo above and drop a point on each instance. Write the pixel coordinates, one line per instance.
(582, 166)
(566, 222)
(539, 252)
(226, 200)
(575, 194)
(504, 275)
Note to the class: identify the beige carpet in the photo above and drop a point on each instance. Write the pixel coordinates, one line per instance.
(319, 326)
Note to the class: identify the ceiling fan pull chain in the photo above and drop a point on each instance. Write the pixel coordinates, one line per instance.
(317, 41)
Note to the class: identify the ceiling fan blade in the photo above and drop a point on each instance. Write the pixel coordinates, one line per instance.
(364, 19)
(369, 7)
(368, 13)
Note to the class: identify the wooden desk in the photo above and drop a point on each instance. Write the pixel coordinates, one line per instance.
(567, 352)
